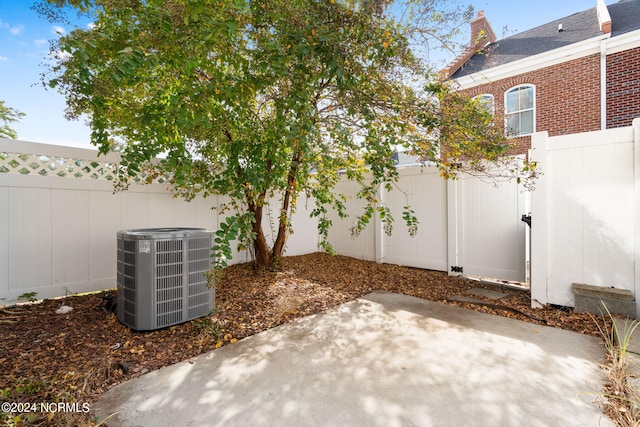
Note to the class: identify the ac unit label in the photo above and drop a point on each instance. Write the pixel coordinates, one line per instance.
(144, 246)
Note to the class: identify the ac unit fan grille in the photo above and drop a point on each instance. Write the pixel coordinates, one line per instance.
(199, 263)
(169, 280)
(127, 278)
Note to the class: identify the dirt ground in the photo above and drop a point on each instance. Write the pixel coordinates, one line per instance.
(75, 357)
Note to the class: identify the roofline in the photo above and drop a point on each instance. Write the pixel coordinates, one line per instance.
(563, 54)
(625, 41)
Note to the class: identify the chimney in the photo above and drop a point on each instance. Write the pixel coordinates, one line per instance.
(481, 35)
(604, 19)
(481, 32)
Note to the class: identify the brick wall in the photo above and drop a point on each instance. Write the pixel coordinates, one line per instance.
(623, 87)
(567, 97)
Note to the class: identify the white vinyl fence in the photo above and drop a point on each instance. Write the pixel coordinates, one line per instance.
(467, 223)
(59, 219)
(585, 213)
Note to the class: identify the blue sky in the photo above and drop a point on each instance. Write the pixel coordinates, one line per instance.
(24, 46)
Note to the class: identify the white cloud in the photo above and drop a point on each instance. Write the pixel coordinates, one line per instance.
(56, 29)
(40, 42)
(15, 30)
(91, 25)
(3, 59)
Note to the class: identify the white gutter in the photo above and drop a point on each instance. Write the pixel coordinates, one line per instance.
(623, 42)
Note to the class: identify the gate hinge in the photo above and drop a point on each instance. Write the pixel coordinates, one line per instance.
(456, 269)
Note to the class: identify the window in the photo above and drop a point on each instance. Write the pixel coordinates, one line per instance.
(487, 101)
(519, 115)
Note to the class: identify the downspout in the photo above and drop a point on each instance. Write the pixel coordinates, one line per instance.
(603, 84)
(636, 172)
(604, 20)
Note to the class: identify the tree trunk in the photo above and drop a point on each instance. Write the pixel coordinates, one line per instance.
(278, 246)
(260, 243)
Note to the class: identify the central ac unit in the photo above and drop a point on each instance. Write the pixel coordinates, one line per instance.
(161, 276)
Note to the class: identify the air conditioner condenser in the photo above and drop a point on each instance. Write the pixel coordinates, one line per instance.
(161, 276)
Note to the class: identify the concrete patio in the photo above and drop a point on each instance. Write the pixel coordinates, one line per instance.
(382, 360)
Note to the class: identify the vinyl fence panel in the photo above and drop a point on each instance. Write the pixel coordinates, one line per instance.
(585, 213)
(425, 192)
(59, 218)
(343, 241)
(490, 235)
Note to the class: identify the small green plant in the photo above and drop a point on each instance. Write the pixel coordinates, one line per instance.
(206, 325)
(23, 388)
(29, 296)
(617, 337)
(214, 276)
(11, 420)
(622, 400)
(275, 263)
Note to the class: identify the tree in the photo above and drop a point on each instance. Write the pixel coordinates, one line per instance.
(259, 99)
(8, 115)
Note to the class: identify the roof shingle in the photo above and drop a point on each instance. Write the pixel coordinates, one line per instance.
(625, 17)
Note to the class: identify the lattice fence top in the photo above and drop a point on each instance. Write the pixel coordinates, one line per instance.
(35, 164)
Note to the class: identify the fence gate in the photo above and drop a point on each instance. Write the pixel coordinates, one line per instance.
(487, 237)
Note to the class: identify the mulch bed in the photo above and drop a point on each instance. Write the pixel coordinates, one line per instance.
(75, 357)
